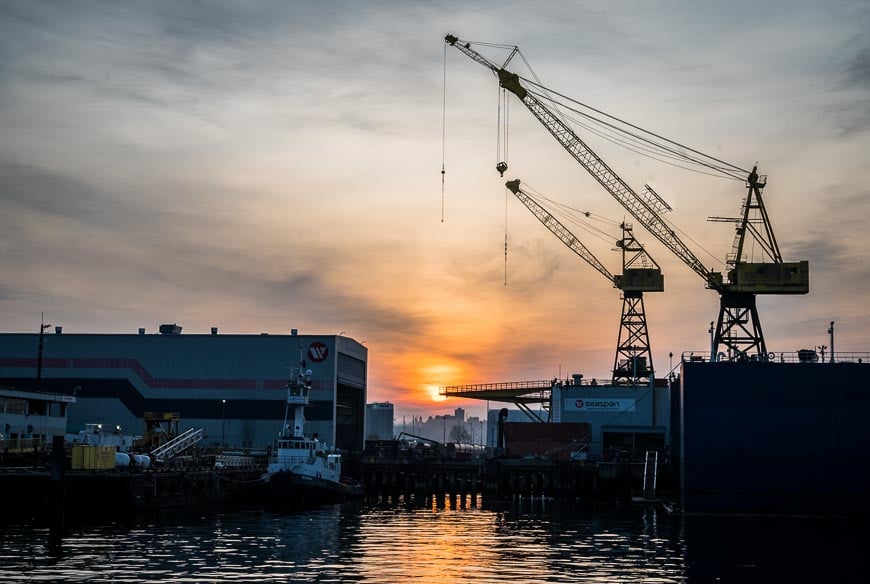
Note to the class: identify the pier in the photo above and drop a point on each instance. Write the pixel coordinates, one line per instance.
(514, 478)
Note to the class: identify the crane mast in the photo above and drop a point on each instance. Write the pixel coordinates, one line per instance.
(738, 330)
(633, 364)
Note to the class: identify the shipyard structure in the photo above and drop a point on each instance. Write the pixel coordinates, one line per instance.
(231, 385)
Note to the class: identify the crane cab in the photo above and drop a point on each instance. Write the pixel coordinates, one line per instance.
(640, 280)
(771, 278)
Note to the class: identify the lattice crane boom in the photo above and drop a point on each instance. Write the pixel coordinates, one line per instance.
(739, 327)
(642, 208)
(559, 230)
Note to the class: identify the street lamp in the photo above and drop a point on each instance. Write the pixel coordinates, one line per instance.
(223, 423)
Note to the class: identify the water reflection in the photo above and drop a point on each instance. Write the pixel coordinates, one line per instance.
(438, 539)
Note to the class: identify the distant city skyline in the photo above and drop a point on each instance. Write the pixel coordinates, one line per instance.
(267, 166)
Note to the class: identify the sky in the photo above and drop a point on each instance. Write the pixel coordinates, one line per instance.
(261, 166)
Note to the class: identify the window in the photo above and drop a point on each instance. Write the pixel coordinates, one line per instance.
(36, 407)
(16, 406)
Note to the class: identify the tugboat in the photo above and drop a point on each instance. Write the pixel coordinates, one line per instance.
(303, 468)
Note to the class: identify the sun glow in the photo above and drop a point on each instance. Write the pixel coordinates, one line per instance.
(433, 376)
(433, 392)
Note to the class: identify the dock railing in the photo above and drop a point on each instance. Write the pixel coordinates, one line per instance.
(810, 356)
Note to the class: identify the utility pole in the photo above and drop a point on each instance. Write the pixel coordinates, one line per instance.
(831, 332)
(223, 424)
(712, 332)
(42, 327)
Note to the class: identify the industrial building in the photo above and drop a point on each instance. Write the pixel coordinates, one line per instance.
(379, 421)
(623, 420)
(232, 385)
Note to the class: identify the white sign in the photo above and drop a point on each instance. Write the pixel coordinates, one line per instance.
(599, 404)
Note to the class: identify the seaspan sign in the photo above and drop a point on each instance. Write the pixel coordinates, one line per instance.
(598, 404)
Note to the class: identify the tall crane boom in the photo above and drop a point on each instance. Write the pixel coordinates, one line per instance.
(739, 328)
(555, 226)
(642, 208)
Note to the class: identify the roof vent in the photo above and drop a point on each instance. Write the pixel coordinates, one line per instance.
(170, 329)
(214, 330)
(58, 330)
(141, 331)
(294, 332)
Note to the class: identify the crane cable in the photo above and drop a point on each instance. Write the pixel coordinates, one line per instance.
(544, 94)
(506, 194)
(570, 215)
(637, 147)
(640, 149)
(727, 170)
(443, 132)
(727, 166)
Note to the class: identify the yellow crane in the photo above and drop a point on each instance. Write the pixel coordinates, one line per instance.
(633, 364)
(738, 331)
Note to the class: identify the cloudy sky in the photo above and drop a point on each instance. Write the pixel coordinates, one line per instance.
(261, 166)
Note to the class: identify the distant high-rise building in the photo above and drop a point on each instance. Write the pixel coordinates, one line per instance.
(379, 421)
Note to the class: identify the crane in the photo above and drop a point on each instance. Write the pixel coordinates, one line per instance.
(633, 364)
(738, 330)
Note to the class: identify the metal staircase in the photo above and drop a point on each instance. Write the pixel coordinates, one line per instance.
(650, 472)
(178, 444)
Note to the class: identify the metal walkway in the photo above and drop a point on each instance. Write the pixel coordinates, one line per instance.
(178, 444)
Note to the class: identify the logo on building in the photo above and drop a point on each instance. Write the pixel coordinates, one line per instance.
(318, 352)
(591, 404)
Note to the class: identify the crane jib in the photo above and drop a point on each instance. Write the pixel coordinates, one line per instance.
(641, 209)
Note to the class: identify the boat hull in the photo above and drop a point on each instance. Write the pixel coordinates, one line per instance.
(288, 487)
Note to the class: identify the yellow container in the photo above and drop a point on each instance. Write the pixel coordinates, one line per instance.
(93, 457)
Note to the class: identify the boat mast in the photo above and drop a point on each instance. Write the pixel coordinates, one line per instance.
(298, 387)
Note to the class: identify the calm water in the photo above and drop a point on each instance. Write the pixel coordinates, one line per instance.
(432, 540)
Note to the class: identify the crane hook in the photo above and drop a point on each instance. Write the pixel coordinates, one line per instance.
(501, 167)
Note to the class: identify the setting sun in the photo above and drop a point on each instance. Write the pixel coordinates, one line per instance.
(433, 391)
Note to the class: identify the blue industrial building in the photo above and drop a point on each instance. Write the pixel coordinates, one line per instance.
(233, 385)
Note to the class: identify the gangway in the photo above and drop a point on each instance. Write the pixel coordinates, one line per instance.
(178, 444)
(650, 474)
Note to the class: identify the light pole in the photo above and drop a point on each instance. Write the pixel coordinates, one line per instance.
(223, 423)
